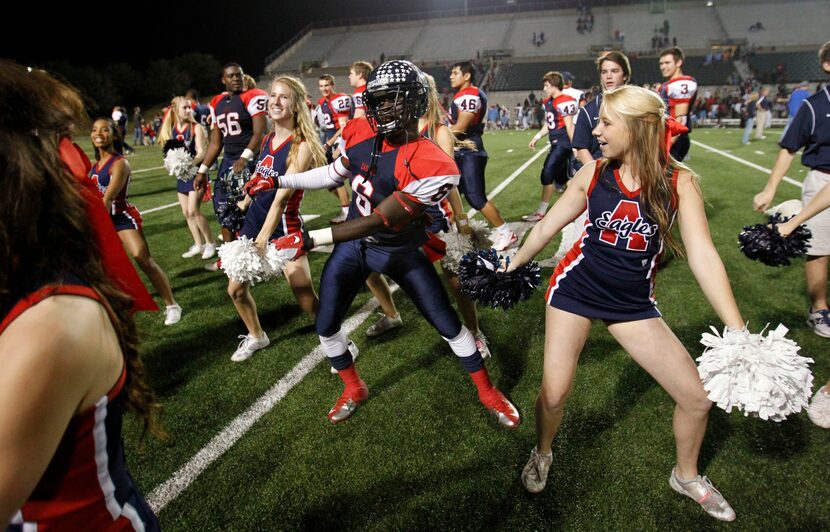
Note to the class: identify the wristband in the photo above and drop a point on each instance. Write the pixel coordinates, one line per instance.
(322, 237)
(247, 154)
(462, 219)
(203, 169)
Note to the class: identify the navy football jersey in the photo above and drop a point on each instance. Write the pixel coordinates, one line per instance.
(471, 100)
(588, 119)
(682, 89)
(234, 115)
(337, 106)
(419, 169)
(810, 129)
(556, 109)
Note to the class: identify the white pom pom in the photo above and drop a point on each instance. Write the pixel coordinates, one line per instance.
(459, 244)
(243, 263)
(763, 376)
(178, 163)
(273, 261)
(572, 232)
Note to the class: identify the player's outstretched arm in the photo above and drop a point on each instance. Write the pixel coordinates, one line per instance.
(704, 261)
(763, 200)
(564, 211)
(329, 176)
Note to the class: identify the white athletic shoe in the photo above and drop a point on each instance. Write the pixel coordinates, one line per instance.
(819, 321)
(504, 240)
(707, 496)
(209, 251)
(535, 473)
(194, 250)
(481, 345)
(533, 217)
(353, 350)
(248, 346)
(819, 409)
(384, 325)
(172, 314)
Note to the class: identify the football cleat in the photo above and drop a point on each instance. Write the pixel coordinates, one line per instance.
(348, 402)
(502, 409)
(353, 350)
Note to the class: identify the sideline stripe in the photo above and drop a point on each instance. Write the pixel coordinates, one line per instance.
(514, 175)
(161, 208)
(745, 162)
(147, 169)
(165, 493)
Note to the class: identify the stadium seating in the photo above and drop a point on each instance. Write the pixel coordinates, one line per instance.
(785, 23)
(798, 66)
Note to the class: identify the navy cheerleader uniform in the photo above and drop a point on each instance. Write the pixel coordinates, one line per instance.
(189, 138)
(86, 485)
(124, 216)
(609, 272)
(273, 163)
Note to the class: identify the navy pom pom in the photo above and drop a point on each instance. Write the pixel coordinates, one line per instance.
(763, 243)
(230, 216)
(172, 144)
(480, 279)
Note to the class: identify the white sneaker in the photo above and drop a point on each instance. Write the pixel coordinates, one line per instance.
(819, 409)
(504, 240)
(533, 217)
(535, 473)
(248, 346)
(819, 321)
(384, 325)
(212, 266)
(481, 345)
(194, 250)
(707, 496)
(172, 314)
(209, 251)
(353, 350)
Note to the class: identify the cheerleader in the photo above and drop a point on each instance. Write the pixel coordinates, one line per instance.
(111, 174)
(69, 365)
(291, 147)
(632, 196)
(179, 124)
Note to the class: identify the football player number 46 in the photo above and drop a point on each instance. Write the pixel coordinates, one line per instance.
(229, 124)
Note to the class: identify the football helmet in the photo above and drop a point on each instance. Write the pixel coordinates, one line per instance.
(396, 92)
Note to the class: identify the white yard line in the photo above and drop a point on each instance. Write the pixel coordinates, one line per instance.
(744, 162)
(166, 492)
(147, 169)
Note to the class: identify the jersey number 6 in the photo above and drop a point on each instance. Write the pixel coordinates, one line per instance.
(362, 190)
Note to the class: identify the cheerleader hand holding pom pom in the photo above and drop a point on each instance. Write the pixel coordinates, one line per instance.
(489, 279)
(768, 244)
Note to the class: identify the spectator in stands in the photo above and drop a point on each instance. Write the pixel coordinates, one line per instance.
(763, 113)
(493, 117)
(799, 94)
(810, 129)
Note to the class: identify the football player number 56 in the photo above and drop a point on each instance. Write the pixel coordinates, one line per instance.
(229, 124)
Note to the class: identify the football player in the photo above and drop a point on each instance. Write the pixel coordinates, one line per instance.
(559, 114)
(395, 175)
(678, 92)
(467, 111)
(358, 72)
(238, 125)
(333, 110)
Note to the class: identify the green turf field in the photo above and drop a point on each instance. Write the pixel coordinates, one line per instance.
(422, 453)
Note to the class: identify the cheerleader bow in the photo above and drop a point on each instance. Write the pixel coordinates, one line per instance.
(672, 129)
(113, 257)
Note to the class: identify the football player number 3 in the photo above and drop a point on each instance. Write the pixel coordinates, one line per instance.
(362, 190)
(229, 124)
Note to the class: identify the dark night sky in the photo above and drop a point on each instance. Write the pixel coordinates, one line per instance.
(244, 31)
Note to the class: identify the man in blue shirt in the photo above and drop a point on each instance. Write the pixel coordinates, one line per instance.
(799, 94)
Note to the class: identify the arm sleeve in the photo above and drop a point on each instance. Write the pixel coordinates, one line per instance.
(330, 176)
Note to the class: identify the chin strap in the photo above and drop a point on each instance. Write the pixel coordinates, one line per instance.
(115, 261)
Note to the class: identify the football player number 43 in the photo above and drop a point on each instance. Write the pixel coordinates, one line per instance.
(229, 124)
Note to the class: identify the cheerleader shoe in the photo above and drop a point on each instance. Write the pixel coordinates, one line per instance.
(209, 251)
(481, 345)
(819, 321)
(194, 250)
(353, 350)
(533, 217)
(384, 325)
(535, 473)
(707, 496)
(248, 346)
(172, 314)
(348, 403)
(819, 409)
(504, 240)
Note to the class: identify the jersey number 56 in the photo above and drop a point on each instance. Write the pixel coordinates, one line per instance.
(229, 124)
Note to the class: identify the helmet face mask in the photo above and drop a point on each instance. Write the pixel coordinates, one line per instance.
(396, 94)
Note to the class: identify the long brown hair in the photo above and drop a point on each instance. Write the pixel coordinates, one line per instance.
(303, 127)
(645, 118)
(45, 235)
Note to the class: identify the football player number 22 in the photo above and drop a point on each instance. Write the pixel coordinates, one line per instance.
(229, 124)
(362, 190)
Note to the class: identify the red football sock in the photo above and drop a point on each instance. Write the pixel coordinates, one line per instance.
(482, 381)
(350, 378)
